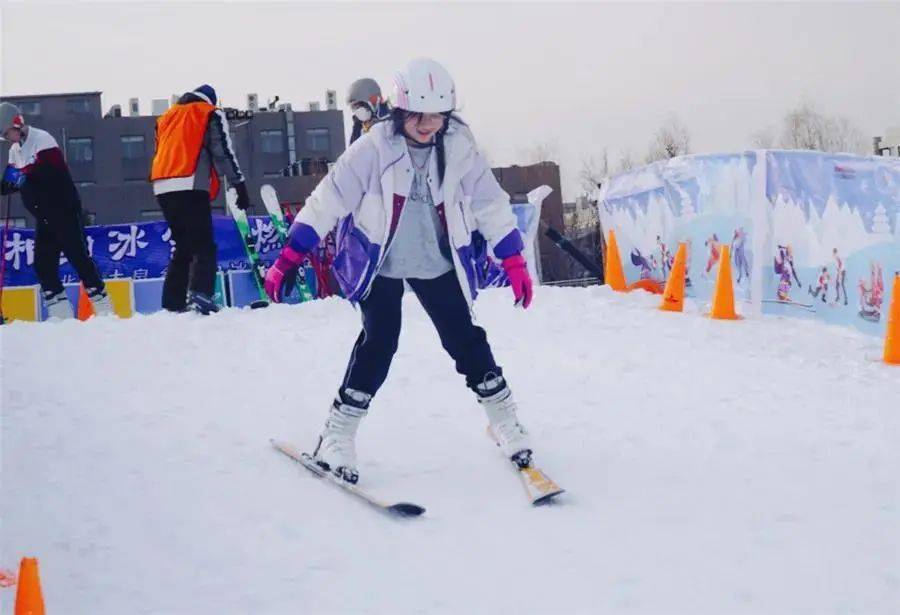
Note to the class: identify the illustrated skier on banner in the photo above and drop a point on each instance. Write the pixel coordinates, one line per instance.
(821, 285)
(714, 251)
(840, 278)
(665, 257)
(387, 194)
(639, 260)
(871, 295)
(739, 250)
(784, 267)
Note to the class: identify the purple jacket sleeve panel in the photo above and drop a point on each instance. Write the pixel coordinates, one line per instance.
(303, 238)
(509, 245)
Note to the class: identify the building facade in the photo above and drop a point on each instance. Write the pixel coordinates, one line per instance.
(110, 154)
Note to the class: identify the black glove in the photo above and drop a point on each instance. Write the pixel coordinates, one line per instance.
(8, 188)
(243, 199)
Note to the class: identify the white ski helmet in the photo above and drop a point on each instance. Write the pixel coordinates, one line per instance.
(424, 86)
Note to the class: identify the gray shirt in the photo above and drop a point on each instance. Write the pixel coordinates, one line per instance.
(415, 251)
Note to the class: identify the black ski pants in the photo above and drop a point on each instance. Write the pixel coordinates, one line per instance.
(193, 264)
(61, 232)
(445, 304)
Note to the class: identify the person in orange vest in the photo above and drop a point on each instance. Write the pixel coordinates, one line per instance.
(193, 146)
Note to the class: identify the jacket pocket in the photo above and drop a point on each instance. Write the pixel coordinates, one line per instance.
(355, 260)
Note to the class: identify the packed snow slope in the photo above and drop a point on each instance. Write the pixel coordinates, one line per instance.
(711, 467)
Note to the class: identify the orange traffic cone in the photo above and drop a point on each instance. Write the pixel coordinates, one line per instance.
(723, 296)
(892, 338)
(673, 295)
(85, 307)
(612, 271)
(29, 600)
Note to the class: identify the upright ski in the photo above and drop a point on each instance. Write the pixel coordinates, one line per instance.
(257, 268)
(539, 487)
(400, 509)
(270, 200)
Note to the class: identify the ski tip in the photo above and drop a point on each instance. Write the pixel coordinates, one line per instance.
(405, 509)
(546, 498)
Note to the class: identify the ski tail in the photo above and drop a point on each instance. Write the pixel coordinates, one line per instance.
(398, 509)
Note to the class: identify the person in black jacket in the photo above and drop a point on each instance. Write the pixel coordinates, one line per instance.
(38, 171)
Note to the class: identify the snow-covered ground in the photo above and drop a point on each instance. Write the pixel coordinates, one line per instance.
(711, 467)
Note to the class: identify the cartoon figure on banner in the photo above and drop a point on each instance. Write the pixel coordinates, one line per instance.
(665, 256)
(739, 250)
(646, 266)
(784, 267)
(840, 278)
(821, 285)
(871, 294)
(714, 252)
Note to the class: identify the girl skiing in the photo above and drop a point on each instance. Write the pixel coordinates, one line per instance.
(410, 198)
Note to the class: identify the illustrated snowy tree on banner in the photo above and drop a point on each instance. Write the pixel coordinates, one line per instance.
(880, 223)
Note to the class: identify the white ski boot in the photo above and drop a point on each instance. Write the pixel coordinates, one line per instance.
(503, 423)
(101, 301)
(336, 451)
(58, 305)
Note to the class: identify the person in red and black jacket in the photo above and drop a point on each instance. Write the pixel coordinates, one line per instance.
(38, 171)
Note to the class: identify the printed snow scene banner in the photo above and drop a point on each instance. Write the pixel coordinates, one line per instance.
(813, 235)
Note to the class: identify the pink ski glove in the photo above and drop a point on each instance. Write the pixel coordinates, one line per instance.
(519, 279)
(283, 273)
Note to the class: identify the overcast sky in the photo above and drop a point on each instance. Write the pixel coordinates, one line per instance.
(585, 76)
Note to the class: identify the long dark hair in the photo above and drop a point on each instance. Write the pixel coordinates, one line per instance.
(398, 117)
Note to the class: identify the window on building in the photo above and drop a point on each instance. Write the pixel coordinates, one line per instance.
(29, 107)
(17, 222)
(133, 147)
(83, 184)
(78, 105)
(90, 218)
(273, 174)
(151, 214)
(272, 141)
(318, 139)
(81, 149)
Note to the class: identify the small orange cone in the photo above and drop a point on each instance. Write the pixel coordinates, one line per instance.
(612, 271)
(723, 295)
(673, 295)
(29, 600)
(85, 307)
(892, 337)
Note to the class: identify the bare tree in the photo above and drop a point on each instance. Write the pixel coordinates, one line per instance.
(670, 140)
(764, 139)
(626, 162)
(806, 128)
(593, 171)
(545, 151)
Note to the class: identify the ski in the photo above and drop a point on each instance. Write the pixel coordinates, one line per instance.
(399, 509)
(809, 307)
(539, 487)
(270, 200)
(257, 268)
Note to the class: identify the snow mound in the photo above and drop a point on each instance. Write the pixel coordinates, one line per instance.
(711, 467)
